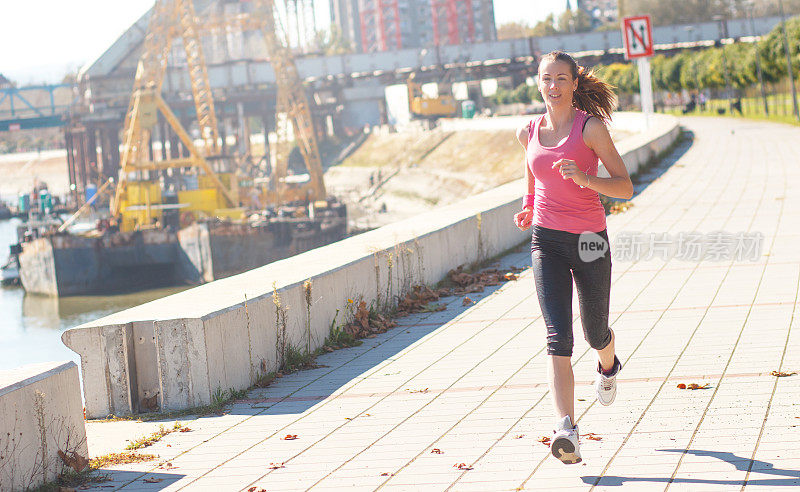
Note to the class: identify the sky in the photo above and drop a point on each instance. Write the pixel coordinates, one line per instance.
(42, 40)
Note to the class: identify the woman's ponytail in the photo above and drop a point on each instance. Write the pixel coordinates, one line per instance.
(593, 95)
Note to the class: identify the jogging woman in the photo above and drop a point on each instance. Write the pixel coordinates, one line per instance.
(569, 238)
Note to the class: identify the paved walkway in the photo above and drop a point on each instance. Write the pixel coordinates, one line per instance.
(467, 385)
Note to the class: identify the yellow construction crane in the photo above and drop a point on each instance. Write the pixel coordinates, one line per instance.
(176, 18)
(292, 107)
(169, 19)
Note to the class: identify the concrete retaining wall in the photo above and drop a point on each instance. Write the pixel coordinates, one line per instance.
(177, 351)
(644, 145)
(40, 415)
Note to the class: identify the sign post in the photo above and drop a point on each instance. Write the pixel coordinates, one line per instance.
(637, 36)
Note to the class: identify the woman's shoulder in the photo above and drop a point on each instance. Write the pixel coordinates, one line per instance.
(594, 130)
(525, 130)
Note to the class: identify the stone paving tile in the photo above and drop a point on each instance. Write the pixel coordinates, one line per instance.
(470, 381)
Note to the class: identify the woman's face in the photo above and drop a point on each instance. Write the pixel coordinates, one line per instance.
(556, 83)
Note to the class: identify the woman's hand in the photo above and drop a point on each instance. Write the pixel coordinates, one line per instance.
(570, 170)
(523, 219)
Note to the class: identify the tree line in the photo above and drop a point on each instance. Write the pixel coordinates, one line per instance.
(705, 68)
(662, 12)
(694, 70)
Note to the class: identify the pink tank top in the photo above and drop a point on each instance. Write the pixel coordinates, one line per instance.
(560, 203)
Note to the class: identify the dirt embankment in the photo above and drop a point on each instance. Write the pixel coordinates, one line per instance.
(392, 176)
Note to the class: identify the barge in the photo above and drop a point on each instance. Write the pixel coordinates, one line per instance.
(68, 264)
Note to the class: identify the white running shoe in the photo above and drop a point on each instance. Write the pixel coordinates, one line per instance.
(565, 442)
(606, 386)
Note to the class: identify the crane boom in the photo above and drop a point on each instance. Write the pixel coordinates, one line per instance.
(292, 105)
(201, 88)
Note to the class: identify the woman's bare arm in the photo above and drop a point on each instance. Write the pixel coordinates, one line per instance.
(619, 185)
(522, 136)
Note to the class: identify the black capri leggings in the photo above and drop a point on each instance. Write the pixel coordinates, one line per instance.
(556, 261)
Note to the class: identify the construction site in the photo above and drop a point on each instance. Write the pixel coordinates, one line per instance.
(215, 136)
(195, 143)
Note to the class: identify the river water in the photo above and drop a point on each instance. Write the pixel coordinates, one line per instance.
(31, 325)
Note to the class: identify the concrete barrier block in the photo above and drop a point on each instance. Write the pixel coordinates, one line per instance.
(229, 363)
(260, 315)
(106, 356)
(144, 350)
(329, 294)
(182, 363)
(121, 370)
(291, 329)
(42, 416)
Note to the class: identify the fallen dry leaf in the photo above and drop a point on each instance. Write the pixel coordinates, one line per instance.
(511, 276)
(387, 474)
(592, 436)
(289, 437)
(618, 207)
(275, 466)
(437, 451)
(467, 301)
(73, 460)
(123, 458)
(694, 386)
(420, 390)
(778, 374)
(519, 436)
(545, 440)
(462, 466)
(366, 324)
(185, 429)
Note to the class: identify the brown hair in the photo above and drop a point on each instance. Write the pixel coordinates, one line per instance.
(592, 95)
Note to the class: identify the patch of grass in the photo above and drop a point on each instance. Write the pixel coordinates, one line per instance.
(219, 399)
(752, 109)
(123, 458)
(72, 480)
(265, 379)
(156, 436)
(338, 337)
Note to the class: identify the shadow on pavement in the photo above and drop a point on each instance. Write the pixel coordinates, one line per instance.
(739, 463)
(642, 180)
(306, 388)
(133, 479)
